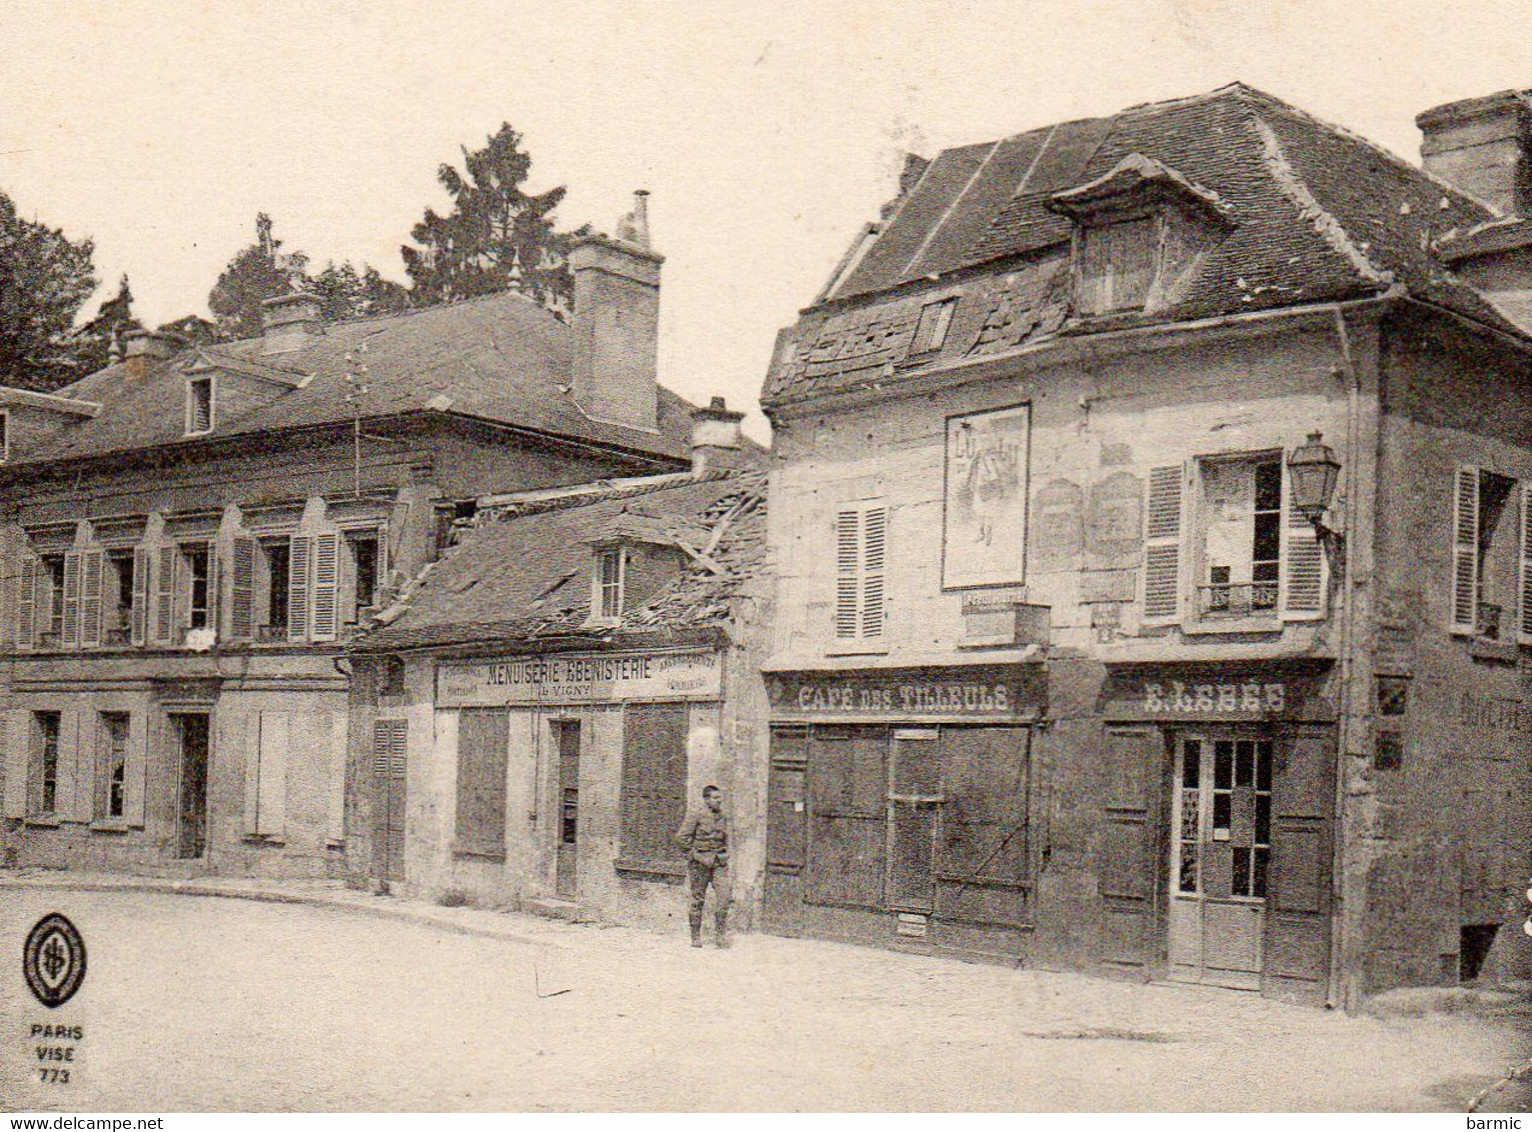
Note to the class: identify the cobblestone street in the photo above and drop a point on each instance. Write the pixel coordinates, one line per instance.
(200, 1003)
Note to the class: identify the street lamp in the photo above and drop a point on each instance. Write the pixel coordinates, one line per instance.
(1313, 472)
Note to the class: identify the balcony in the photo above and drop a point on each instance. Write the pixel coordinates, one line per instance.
(1234, 600)
(1487, 622)
(121, 636)
(270, 634)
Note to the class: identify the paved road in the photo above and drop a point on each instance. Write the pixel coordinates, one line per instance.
(196, 1003)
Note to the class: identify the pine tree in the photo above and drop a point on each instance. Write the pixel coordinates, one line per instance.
(257, 273)
(45, 278)
(345, 293)
(496, 238)
(99, 339)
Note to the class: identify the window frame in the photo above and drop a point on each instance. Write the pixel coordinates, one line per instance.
(603, 611)
(867, 579)
(43, 779)
(933, 326)
(193, 404)
(1093, 243)
(110, 803)
(1266, 616)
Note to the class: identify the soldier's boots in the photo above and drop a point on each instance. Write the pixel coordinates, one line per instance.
(721, 923)
(696, 922)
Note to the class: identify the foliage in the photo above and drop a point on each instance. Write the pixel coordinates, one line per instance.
(497, 237)
(45, 278)
(345, 293)
(98, 340)
(259, 272)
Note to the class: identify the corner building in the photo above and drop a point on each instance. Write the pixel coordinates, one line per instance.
(1070, 663)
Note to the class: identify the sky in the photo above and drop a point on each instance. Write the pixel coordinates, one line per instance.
(766, 132)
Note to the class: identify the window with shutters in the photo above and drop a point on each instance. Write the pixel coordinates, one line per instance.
(1162, 545)
(1490, 551)
(1117, 265)
(652, 793)
(43, 794)
(1256, 561)
(483, 739)
(197, 590)
(361, 575)
(111, 764)
(271, 568)
(200, 405)
(861, 556)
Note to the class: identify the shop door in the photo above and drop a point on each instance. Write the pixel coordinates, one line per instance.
(388, 781)
(191, 733)
(914, 794)
(1220, 855)
(566, 881)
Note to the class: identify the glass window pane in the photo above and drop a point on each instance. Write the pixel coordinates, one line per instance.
(1258, 884)
(1244, 764)
(1223, 764)
(1241, 872)
(1263, 765)
(1220, 811)
(1263, 819)
(1191, 763)
(1188, 877)
(1268, 486)
(1190, 811)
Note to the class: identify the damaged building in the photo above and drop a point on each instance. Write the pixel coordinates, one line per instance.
(536, 712)
(1151, 508)
(191, 535)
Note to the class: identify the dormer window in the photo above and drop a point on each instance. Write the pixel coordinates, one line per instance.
(1118, 265)
(931, 330)
(199, 406)
(611, 580)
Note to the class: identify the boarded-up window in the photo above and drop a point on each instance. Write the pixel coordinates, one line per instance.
(1162, 545)
(982, 852)
(848, 804)
(653, 801)
(861, 552)
(483, 738)
(1117, 266)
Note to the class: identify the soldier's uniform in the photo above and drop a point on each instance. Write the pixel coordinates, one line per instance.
(705, 837)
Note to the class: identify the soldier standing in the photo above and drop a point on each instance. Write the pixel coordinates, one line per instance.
(704, 835)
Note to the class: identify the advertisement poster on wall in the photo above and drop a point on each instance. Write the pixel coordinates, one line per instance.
(985, 517)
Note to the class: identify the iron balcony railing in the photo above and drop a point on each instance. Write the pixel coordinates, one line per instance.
(1236, 599)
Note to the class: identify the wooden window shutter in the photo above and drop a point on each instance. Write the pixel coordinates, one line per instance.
(848, 542)
(164, 594)
(483, 746)
(15, 733)
(136, 770)
(1162, 544)
(325, 598)
(1465, 550)
(90, 597)
(299, 554)
(652, 783)
(140, 596)
(389, 737)
(242, 589)
(71, 632)
(1524, 580)
(1303, 580)
(214, 586)
(874, 555)
(26, 604)
(276, 739)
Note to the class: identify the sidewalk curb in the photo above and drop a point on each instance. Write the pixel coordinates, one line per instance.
(402, 914)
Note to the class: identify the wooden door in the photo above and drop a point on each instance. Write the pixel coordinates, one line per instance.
(192, 735)
(388, 784)
(1127, 864)
(915, 789)
(847, 777)
(1298, 917)
(566, 880)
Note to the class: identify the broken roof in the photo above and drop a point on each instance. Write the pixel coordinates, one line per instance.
(1310, 213)
(522, 573)
(501, 358)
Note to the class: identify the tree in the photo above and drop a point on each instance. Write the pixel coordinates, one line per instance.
(257, 273)
(193, 328)
(101, 337)
(45, 278)
(496, 238)
(345, 293)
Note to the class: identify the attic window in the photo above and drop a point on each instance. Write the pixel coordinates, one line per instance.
(1118, 264)
(931, 330)
(199, 406)
(611, 579)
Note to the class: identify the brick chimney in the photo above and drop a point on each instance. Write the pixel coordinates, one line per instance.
(716, 439)
(144, 347)
(291, 322)
(1483, 146)
(616, 322)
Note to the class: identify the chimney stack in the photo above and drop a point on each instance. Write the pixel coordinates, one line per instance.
(143, 347)
(1483, 147)
(616, 322)
(292, 322)
(716, 439)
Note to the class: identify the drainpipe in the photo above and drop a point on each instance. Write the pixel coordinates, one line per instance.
(1334, 992)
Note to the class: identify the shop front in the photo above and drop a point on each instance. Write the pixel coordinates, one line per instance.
(1217, 830)
(899, 805)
